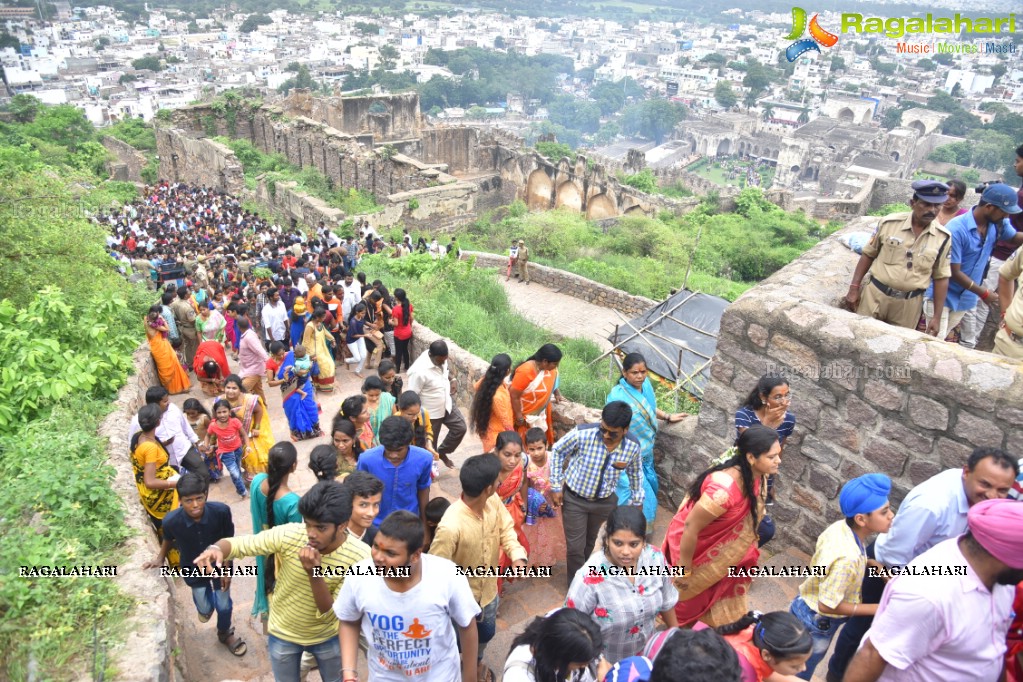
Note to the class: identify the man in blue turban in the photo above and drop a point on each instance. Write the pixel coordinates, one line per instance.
(825, 601)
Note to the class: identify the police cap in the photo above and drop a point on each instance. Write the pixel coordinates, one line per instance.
(931, 191)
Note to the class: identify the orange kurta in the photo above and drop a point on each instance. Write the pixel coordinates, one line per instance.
(501, 416)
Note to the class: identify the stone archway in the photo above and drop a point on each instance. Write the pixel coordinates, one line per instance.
(724, 147)
(568, 196)
(600, 207)
(846, 115)
(895, 156)
(538, 190)
(919, 127)
(867, 117)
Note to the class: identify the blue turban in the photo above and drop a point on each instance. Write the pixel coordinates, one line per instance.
(865, 494)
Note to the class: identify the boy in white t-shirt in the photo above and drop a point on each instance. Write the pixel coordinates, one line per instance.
(408, 621)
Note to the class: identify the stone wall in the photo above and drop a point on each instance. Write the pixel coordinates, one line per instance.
(145, 655)
(900, 191)
(198, 161)
(383, 118)
(868, 397)
(129, 161)
(570, 284)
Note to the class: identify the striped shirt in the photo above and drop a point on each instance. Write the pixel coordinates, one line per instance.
(591, 472)
(293, 613)
(745, 418)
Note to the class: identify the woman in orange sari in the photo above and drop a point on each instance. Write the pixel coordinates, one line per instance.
(173, 376)
(716, 528)
(491, 411)
(534, 384)
(512, 487)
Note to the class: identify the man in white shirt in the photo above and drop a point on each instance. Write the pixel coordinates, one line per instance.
(931, 513)
(409, 622)
(948, 619)
(275, 317)
(351, 295)
(428, 377)
(175, 433)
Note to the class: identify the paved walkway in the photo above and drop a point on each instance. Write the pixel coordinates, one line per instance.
(523, 600)
(560, 313)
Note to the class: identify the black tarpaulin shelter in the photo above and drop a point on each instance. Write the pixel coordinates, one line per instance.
(677, 337)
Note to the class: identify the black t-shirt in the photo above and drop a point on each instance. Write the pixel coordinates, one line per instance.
(193, 537)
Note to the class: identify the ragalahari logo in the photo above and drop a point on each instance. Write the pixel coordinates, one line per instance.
(818, 36)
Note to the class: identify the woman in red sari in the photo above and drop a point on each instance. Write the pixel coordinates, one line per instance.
(512, 487)
(715, 528)
(211, 367)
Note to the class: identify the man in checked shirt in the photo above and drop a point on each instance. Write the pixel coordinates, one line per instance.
(596, 454)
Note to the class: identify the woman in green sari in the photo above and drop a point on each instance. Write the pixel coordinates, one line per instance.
(272, 503)
(379, 402)
(634, 388)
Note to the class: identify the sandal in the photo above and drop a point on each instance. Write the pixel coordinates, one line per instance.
(236, 645)
(484, 674)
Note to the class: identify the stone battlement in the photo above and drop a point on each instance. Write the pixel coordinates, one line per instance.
(867, 396)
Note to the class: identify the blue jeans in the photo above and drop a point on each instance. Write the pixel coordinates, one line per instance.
(232, 461)
(286, 659)
(822, 628)
(207, 599)
(486, 625)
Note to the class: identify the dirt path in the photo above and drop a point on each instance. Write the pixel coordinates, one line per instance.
(560, 313)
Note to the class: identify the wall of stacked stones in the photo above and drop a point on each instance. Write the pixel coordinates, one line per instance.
(184, 158)
(570, 284)
(868, 397)
(145, 655)
(130, 160)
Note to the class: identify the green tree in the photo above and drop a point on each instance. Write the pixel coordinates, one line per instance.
(367, 28)
(998, 70)
(714, 59)
(24, 108)
(149, 62)
(925, 63)
(837, 63)
(476, 113)
(254, 21)
(757, 76)
(644, 181)
(609, 97)
(302, 79)
(892, 117)
(64, 125)
(652, 118)
(724, 95)
(389, 55)
(499, 43)
(7, 40)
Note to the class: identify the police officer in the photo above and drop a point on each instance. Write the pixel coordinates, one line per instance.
(1009, 339)
(907, 252)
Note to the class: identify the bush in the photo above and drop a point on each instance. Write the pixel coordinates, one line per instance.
(58, 509)
(135, 132)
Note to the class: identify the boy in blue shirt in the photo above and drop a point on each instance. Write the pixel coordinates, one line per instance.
(193, 527)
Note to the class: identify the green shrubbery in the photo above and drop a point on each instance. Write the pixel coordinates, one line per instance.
(135, 132)
(649, 256)
(471, 308)
(68, 325)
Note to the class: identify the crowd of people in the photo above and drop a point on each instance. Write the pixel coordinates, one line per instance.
(367, 561)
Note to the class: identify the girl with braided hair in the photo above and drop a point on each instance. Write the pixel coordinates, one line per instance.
(272, 504)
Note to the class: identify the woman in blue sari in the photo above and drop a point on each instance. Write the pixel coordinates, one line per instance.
(635, 389)
(297, 395)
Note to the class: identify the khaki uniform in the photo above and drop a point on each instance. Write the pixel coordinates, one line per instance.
(522, 263)
(1005, 345)
(906, 263)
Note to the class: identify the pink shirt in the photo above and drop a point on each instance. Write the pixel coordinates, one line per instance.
(251, 355)
(946, 627)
